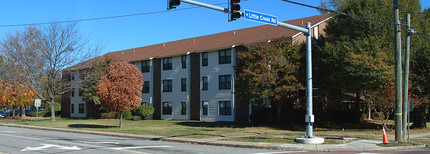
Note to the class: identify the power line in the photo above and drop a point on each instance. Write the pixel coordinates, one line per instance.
(342, 13)
(423, 36)
(88, 19)
(157, 12)
(103, 18)
(355, 16)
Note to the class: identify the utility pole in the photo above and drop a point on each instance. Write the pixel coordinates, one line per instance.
(398, 71)
(406, 76)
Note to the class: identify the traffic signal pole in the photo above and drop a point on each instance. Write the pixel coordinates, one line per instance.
(309, 117)
(226, 10)
(213, 7)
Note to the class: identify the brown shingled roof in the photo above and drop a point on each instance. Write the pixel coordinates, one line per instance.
(227, 39)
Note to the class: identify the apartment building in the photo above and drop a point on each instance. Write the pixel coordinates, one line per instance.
(193, 79)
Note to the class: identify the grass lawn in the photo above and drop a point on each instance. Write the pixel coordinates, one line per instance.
(154, 127)
(226, 130)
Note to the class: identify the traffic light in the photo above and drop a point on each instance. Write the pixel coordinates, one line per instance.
(234, 9)
(172, 4)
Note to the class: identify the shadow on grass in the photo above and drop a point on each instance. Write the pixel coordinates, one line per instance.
(215, 124)
(90, 126)
(362, 125)
(356, 126)
(239, 125)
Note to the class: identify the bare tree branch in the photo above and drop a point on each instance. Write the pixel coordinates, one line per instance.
(41, 54)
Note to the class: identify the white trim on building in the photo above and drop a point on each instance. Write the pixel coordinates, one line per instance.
(78, 107)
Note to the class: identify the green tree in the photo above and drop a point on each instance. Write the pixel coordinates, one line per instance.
(356, 56)
(267, 74)
(420, 70)
(89, 87)
(348, 66)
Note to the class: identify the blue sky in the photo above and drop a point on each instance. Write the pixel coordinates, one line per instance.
(142, 30)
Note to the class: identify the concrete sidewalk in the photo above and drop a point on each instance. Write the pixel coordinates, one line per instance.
(358, 145)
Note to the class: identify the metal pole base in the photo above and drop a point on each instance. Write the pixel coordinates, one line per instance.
(314, 140)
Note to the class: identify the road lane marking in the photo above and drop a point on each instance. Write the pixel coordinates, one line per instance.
(100, 142)
(10, 131)
(63, 142)
(53, 146)
(140, 147)
(280, 152)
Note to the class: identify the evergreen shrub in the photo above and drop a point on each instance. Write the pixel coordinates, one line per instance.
(126, 114)
(143, 111)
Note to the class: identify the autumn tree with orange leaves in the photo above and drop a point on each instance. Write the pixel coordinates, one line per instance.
(5, 93)
(15, 94)
(22, 96)
(120, 89)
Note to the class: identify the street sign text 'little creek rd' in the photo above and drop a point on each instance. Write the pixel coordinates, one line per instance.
(261, 17)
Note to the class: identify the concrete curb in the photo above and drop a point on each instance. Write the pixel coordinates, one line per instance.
(355, 146)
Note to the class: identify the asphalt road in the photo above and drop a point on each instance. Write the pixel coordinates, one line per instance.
(21, 140)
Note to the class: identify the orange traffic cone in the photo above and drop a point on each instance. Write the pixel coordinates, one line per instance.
(384, 136)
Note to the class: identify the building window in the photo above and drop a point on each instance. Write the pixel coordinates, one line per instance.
(224, 82)
(183, 84)
(73, 108)
(167, 85)
(183, 108)
(204, 59)
(72, 92)
(144, 65)
(205, 83)
(184, 61)
(80, 92)
(167, 63)
(224, 56)
(205, 106)
(167, 108)
(72, 76)
(82, 75)
(81, 108)
(145, 88)
(144, 104)
(224, 108)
